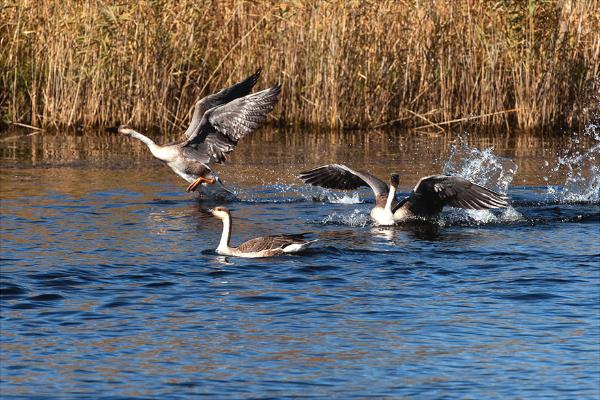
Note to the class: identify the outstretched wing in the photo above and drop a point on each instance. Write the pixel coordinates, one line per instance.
(222, 126)
(226, 95)
(457, 192)
(338, 176)
(270, 243)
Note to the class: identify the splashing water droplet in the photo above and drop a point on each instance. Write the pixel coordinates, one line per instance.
(581, 170)
(343, 199)
(510, 214)
(326, 196)
(357, 219)
(481, 166)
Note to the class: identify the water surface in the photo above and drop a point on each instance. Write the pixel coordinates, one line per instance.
(110, 286)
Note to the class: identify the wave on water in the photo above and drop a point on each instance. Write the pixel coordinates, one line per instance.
(581, 169)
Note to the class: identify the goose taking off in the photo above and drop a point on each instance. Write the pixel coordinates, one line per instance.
(219, 121)
(426, 200)
(264, 246)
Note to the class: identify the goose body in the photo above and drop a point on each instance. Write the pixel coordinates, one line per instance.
(264, 246)
(427, 199)
(219, 121)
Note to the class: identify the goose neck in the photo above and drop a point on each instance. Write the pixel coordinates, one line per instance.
(226, 235)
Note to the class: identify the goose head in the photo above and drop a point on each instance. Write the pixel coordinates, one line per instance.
(394, 180)
(220, 212)
(125, 130)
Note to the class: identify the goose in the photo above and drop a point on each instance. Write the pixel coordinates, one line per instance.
(264, 246)
(218, 122)
(426, 200)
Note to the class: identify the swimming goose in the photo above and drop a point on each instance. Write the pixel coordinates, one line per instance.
(426, 200)
(264, 246)
(218, 122)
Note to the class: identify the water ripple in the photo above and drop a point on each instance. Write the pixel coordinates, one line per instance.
(113, 289)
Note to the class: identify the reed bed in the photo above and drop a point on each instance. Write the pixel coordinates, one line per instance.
(343, 64)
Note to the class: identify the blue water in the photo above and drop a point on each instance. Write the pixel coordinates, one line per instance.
(110, 288)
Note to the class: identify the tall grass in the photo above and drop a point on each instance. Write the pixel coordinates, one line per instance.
(343, 64)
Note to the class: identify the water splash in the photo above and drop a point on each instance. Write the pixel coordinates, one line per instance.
(326, 196)
(456, 216)
(510, 215)
(217, 192)
(276, 193)
(357, 218)
(481, 166)
(581, 170)
(484, 168)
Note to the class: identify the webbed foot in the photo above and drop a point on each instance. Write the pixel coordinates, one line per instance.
(198, 182)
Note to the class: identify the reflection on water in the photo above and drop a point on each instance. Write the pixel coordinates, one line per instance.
(110, 285)
(272, 156)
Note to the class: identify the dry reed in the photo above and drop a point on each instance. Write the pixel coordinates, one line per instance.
(343, 64)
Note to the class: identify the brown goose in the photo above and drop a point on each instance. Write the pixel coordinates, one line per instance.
(426, 200)
(264, 246)
(219, 121)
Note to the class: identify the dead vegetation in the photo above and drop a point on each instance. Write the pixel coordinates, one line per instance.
(343, 64)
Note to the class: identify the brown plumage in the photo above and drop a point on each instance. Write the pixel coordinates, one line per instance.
(219, 121)
(276, 243)
(264, 246)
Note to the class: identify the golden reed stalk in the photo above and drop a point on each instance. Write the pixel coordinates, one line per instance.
(343, 64)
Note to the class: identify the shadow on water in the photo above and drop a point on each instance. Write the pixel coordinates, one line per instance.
(110, 285)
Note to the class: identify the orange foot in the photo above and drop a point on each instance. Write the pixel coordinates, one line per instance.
(198, 181)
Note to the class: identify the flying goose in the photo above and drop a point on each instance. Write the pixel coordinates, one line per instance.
(218, 122)
(426, 200)
(264, 246)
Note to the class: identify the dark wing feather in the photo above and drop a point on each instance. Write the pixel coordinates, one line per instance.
(457, 192)
(212, 150)
(222, 126)
(338, 176)
(270, 243)
(226, 95)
